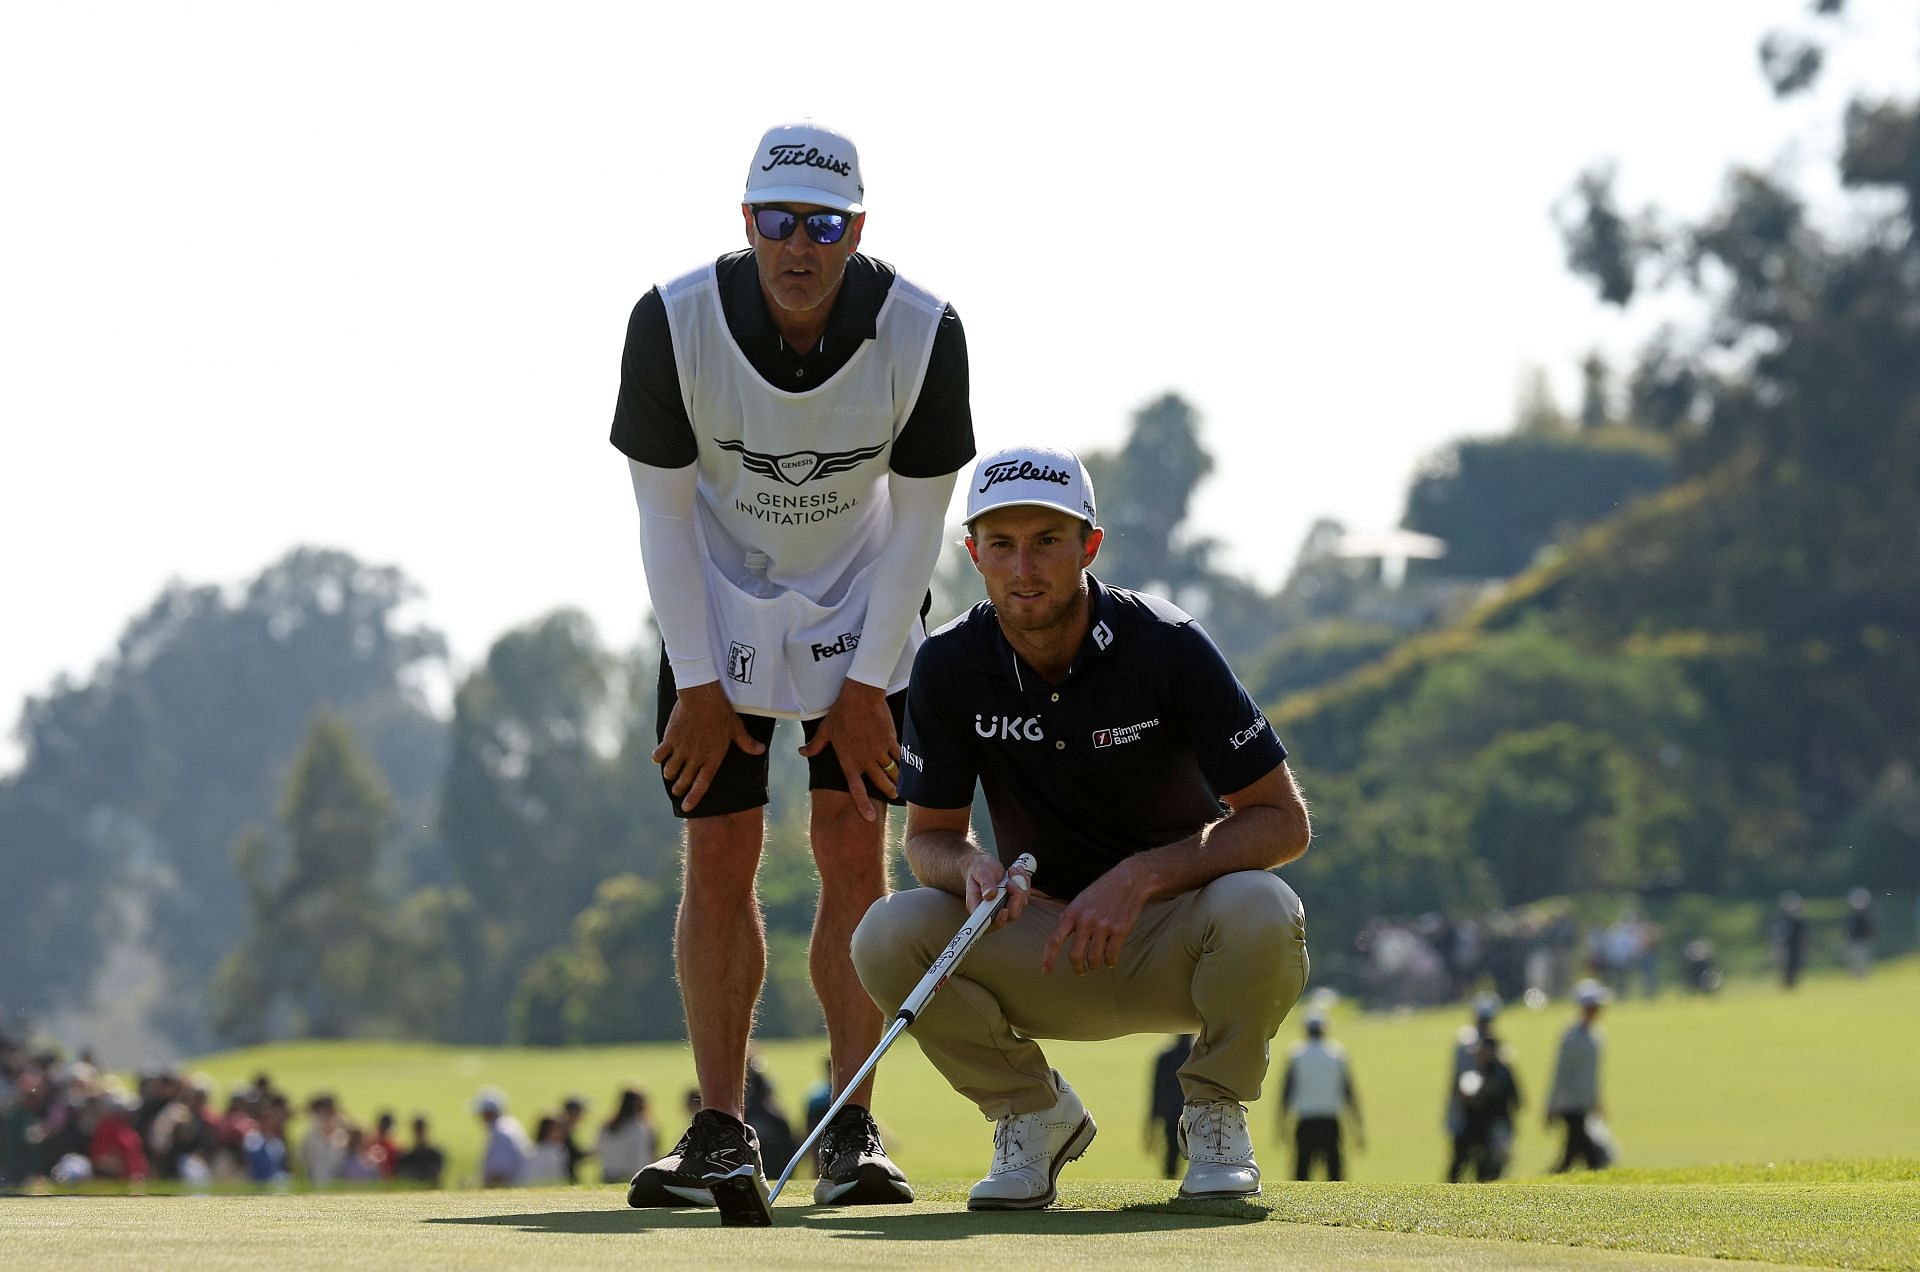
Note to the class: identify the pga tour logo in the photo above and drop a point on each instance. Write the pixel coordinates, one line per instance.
(740, 662)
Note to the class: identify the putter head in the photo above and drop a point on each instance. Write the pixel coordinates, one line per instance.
(741, 1196)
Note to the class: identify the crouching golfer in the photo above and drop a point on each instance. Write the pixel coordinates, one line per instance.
(1115, 744)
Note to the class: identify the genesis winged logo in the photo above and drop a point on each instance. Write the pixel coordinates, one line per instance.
(797, 468)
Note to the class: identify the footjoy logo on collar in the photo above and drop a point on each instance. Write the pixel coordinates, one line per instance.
(791, 155)
(1022, 470)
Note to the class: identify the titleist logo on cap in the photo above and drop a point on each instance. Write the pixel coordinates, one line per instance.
(789, 155)
(1022, 470)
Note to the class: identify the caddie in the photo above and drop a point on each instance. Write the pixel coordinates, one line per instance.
(1115, 744)
(794, 417)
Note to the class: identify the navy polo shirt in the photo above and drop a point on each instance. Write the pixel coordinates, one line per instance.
(1131, 751)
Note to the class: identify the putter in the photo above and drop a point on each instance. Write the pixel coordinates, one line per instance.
(751, 1206)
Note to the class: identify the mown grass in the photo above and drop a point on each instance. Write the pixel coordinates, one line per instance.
(1755, 1074)
(1850, 1213)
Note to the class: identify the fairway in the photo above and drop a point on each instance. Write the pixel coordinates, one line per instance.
(1864, 1215)
(1688, 1082)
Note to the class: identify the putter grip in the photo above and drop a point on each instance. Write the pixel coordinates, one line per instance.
(978, 924)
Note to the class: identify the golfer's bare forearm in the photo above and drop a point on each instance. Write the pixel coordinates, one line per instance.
(942, 858)
(1255, 838)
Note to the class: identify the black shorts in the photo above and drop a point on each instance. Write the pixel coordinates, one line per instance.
(741, 782)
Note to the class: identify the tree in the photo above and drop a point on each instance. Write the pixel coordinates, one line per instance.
(137, 780)
(549, 791)
(321, 957)
(614, 982)
(1144, 492)
(1498, 501)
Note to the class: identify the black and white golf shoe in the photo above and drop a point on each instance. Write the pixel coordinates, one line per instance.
(854, 1167)
(714, 1147)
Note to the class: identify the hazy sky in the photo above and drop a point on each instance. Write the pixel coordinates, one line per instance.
(358, 274)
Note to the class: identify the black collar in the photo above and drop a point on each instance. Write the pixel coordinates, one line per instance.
(1098, 642)
(856, 310)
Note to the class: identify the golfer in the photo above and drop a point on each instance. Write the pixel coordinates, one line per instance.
(1115, 744)
(794, 416)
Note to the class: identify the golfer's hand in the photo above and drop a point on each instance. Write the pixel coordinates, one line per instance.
(1094, 927)
(703, 725)
(984, 877)
(859, 728)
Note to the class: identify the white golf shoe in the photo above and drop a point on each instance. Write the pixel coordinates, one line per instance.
(1219, 1149)
(1028, 1151)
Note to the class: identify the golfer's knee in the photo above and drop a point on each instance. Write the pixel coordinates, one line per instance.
(1259, 922)
(878, 956)
(1254, 901)
(898, 940)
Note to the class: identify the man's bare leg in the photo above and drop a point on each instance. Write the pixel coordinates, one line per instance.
(850, 852)
(720, 952)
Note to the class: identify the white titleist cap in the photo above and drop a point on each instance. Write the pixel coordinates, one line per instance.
(1591, 993)
(805, 163)
(1032, 476)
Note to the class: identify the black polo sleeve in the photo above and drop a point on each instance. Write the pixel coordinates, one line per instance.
(1229, 733)
(937, 438)
(650, 421)
(937, 764)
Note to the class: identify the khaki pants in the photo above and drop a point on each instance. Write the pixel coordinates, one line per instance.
(1225, 963)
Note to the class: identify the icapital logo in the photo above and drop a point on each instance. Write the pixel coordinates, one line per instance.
(848, 642)
(1249, 733)
(1012, 728)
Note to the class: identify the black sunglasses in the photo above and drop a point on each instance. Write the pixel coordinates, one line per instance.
(822, 227)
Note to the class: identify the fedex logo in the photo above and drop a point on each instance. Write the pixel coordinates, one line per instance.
(1011, 728)
(848, 642)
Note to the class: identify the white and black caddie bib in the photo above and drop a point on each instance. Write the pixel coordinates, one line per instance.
(802, 478)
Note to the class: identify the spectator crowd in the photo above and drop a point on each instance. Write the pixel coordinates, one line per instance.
(67, 1122)
(1535, 953)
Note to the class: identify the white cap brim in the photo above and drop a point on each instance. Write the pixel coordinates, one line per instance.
(802, 194)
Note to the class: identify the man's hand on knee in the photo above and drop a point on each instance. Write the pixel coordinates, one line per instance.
(693, 745)
(1094, 926)
(859, 728)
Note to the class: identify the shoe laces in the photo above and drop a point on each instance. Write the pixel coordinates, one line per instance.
(712, 1131)
(1010, 1135)
(853, 1132)
(1217, 1130)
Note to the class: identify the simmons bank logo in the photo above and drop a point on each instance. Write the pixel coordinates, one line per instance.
(1124, 734)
